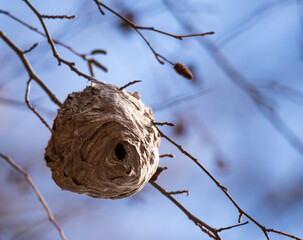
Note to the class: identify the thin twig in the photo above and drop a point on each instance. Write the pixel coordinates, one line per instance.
(28, 86)
(100, 9)
(192, 158)
(179, 192)
(31, 48)
(164, 124)
(167, 155)
(240, 217)
(243, 83)
(212, 232)
(91, 68)
(283, 233)
(158, 56)
(49, 38)
(41, 33)
(39, 195)
(83, 56)
(129, 84)
(58, 16)
(233, 226)
(60, 60)
(224, 189)
(157, 173)
(97, 64)
(30, 70)
(133, 25)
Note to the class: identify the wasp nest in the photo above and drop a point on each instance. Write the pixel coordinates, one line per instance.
(103, 143)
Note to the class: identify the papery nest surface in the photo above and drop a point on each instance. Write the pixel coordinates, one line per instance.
(103, 143)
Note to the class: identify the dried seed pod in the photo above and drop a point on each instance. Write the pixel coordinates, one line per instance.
(103, 143)
(183, 70)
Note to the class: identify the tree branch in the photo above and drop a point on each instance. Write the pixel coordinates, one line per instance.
(28, 85)
(60, 60)
(39, 195)
(224, 189)
(91, 61)
(212, 232)
(29, 69)
(158, 56)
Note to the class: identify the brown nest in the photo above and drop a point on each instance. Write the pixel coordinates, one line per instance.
(103, 143)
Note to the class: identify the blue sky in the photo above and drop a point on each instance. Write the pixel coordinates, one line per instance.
(262, 170)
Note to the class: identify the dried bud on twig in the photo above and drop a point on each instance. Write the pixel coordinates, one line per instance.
(183, 70)
(103, 143)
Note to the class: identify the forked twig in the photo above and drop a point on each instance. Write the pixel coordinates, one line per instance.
(210, 231)
(133, 25)
(225, 191)
(50, 40)
(179, 192)
(91, 61)
(137, 28)
(243, 83)
(39, 195)
(29, 69)
(60, 60)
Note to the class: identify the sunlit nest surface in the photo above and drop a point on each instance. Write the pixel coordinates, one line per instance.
(103, 143)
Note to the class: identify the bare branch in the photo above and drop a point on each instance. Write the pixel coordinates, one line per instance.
(167, 155)
(133, 25)
(256, 95)
(129, 84)
(91, 68)
(179, 192)
(31, 107)
(164, 123)
(212, 232)
(30, 70)
(49, 38)
(98, 51)
(71, 65)
(42, 34)
(31, 48)
(233, 226)
(83, 56)
(283, 233)
(157, 173)
(39, 195)
(241, 81)
(59, 16)
(224, 189)
(159, 57)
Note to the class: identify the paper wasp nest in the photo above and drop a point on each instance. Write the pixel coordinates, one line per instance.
(103, 143)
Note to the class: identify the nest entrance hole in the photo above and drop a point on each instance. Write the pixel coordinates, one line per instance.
(120, 151)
